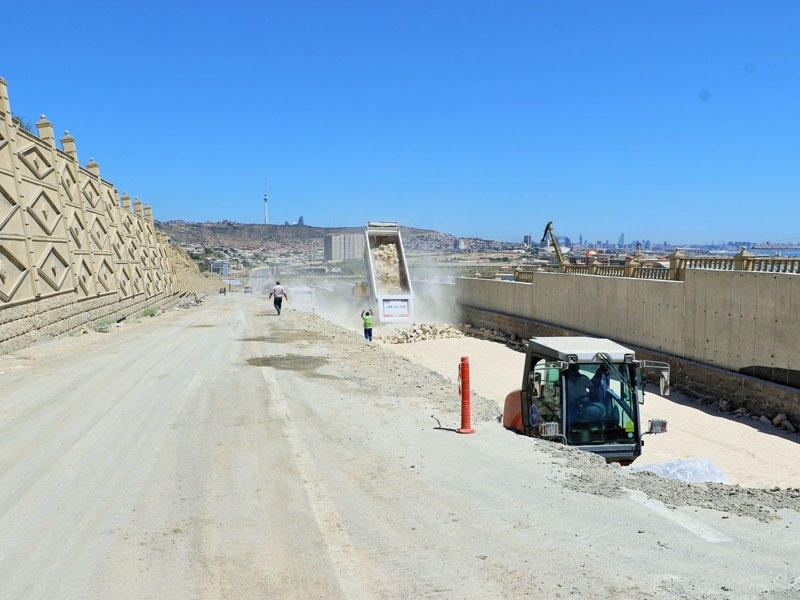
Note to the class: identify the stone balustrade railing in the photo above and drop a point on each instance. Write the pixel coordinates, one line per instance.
(678, 264)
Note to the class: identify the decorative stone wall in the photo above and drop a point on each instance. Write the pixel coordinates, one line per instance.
(70, 251)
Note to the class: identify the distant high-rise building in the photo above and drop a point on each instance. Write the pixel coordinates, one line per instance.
(300, 220)
(527, 240)
(621, 240)
(341, 247)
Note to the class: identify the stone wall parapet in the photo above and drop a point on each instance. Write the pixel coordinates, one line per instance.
(679, 263)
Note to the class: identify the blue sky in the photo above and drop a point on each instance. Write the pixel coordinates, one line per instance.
(670, 120)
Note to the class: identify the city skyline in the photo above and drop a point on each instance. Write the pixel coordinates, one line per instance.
(677, 122)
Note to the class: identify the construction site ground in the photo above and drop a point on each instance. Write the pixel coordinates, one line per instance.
(222, 451)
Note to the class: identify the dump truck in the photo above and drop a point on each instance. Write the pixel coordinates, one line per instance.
(584, 392)
(387, 273)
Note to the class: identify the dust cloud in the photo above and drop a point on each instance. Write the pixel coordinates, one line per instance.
(337, 301)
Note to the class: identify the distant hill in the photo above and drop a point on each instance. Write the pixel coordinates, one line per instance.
(252, 236)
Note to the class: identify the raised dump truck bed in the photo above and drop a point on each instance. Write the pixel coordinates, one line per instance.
(387, 272)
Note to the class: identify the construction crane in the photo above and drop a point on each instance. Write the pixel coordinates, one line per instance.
(549, 229)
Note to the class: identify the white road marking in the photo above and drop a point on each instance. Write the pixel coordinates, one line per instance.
(702, 531)
(343, 555)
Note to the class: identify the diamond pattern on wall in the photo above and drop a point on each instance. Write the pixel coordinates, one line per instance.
(111, 205)
(139, 233)
(137, 279)
(45, 212)
(76, 228)
(84, 277)
(8, 207)
(53, 269)
(98, 232)
(68, 182)
(118, 245)
(125, 280)
(12, 274)
(159, 281)
(38, 164)
(91, 193)
(64, 232)
(105, 276)
(127, 223)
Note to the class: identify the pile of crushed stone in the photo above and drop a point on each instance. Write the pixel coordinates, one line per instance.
(386, 264)
(417, 332)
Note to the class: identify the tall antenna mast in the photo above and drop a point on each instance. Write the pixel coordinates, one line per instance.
(266, 198)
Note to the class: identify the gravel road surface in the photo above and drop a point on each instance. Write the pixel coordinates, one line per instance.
(226, 452)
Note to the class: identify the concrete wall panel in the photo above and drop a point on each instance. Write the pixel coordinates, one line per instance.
(647, 312)
(742, 319)
(786, 327)
(730, 319)
(687, 324)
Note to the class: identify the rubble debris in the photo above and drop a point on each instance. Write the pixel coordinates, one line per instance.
(417, 332)
(493, 335)
(385, 260)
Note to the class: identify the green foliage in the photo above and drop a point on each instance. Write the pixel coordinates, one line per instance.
(23, 123)
(102, 326)
(150, 311)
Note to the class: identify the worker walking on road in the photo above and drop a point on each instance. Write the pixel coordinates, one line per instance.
(278, 293)
(366, 315)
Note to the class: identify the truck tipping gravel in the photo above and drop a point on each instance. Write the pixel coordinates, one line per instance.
(387, 273)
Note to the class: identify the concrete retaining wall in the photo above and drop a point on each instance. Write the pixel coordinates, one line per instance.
(708, 327)
(729, 319)
(71, 251)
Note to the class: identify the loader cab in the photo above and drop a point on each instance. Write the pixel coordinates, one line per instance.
(585, 392)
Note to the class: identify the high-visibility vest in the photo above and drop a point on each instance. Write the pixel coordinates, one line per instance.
(367, 321)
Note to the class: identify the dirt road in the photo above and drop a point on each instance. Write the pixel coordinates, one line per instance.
(224, 452)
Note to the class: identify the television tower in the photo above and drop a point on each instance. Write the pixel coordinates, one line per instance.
(266, 198)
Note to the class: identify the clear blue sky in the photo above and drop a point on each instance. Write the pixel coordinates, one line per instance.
(666, 120)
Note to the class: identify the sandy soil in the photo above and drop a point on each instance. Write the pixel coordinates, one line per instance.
(225, 452)
(748, 452)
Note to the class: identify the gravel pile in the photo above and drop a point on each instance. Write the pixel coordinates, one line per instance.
(386, 264)
(494, 335)
(418, 332)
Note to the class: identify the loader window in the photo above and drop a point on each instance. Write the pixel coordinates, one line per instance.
(549, 402)
(605, 414)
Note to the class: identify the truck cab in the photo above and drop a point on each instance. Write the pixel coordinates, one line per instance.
(584, 392)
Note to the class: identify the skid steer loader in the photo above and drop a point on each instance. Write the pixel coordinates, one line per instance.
(584, 392)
